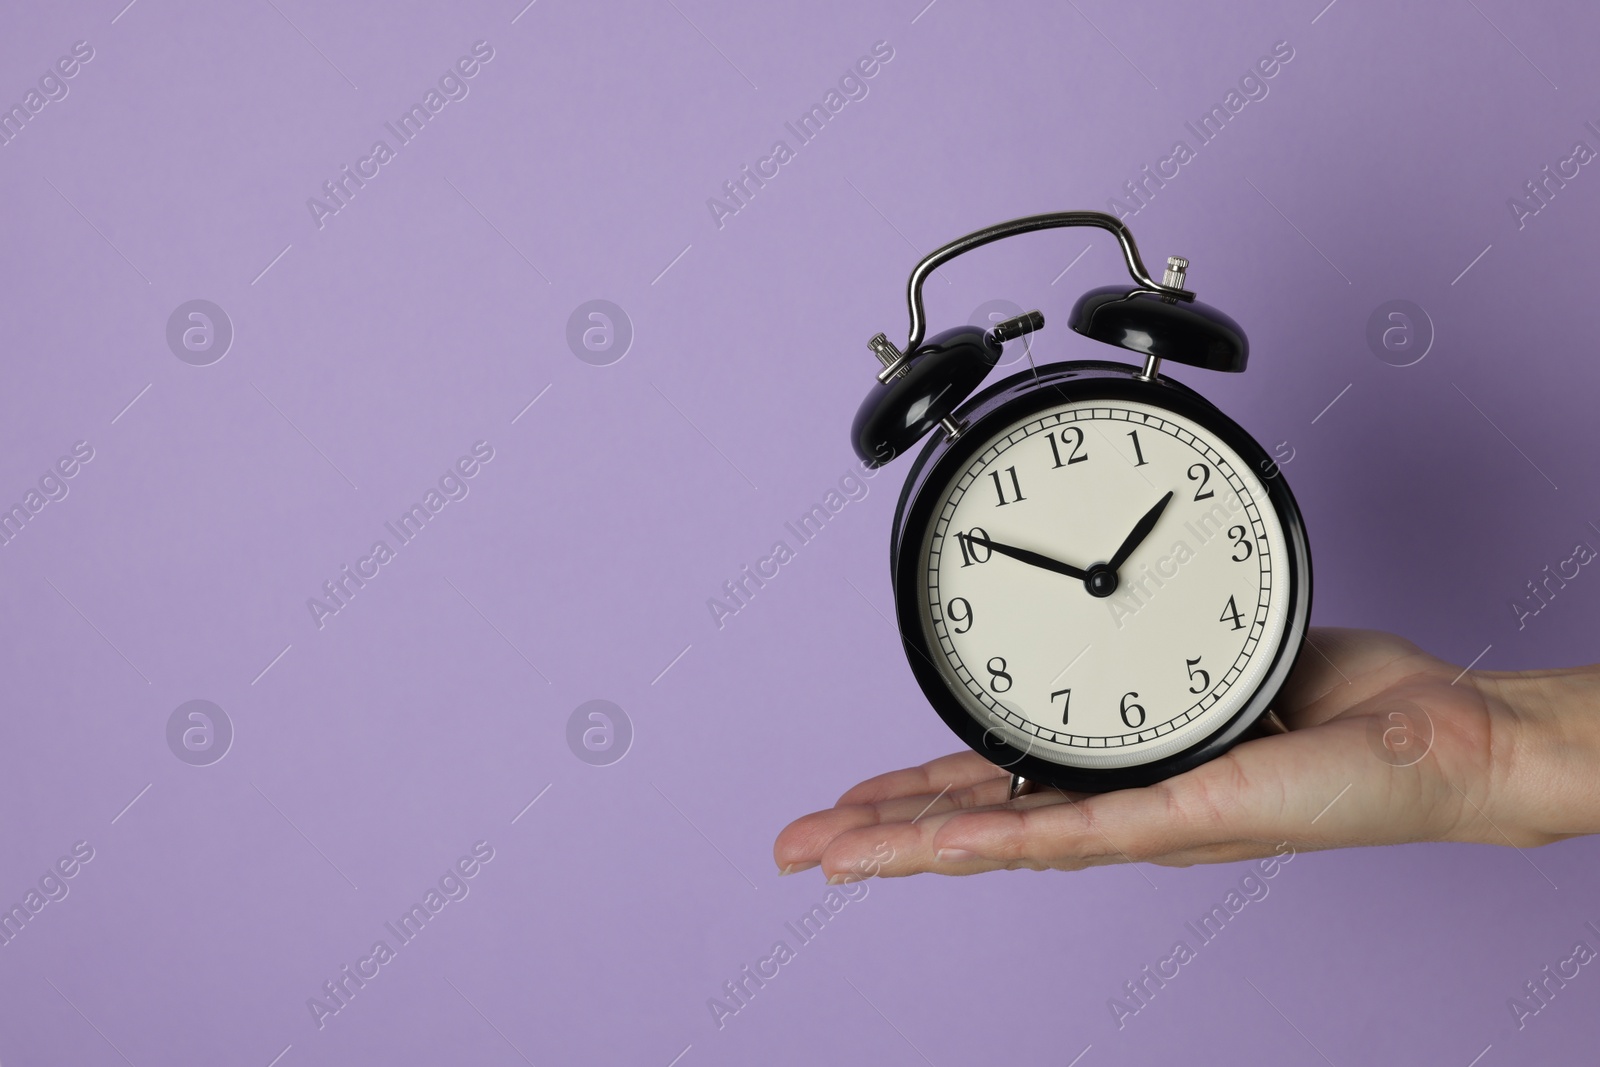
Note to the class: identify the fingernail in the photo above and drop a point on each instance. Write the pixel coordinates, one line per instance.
(794, 867)
(954, 855)
(843, 877)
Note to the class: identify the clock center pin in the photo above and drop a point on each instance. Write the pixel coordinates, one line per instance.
(1101, 580)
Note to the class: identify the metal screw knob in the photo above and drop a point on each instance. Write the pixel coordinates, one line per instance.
(884, 349)
(1012, 328)
(894, 361)
(1176, 266)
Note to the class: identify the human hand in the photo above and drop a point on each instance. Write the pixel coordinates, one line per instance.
(1387, 744)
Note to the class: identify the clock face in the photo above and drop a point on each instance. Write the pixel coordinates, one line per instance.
(1103, 584)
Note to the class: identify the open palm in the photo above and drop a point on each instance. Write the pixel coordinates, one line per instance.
(1387, 744)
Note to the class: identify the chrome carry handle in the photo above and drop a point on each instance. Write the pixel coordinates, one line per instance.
(1052, 220)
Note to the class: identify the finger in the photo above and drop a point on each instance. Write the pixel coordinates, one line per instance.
(1238, 797)
(1270, 790)
(897, 849)
(889, 851)
(803, 841)
(954, 771)
(1229, 853)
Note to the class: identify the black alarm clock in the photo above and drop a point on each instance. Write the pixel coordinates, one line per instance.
(1100, 579)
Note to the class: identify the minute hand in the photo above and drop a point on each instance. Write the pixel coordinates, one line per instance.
(1033, 558)
(1140, 532)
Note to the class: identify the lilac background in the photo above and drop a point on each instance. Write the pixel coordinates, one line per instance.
(428, 313)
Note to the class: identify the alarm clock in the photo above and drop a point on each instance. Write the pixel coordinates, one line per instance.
(1100, 579)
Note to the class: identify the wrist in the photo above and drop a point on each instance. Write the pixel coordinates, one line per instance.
(1548, 769)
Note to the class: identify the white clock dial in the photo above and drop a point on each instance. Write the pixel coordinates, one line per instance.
(1103, 681)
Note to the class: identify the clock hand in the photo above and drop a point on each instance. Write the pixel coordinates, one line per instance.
(1026, 556)
(1140, 532)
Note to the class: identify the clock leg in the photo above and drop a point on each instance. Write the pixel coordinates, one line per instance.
(1266, 726)
(1021, 787)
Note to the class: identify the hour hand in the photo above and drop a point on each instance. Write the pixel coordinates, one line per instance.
(1023, 554)
(1140, 532)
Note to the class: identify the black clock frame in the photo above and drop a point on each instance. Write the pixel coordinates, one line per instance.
(1010, 401)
